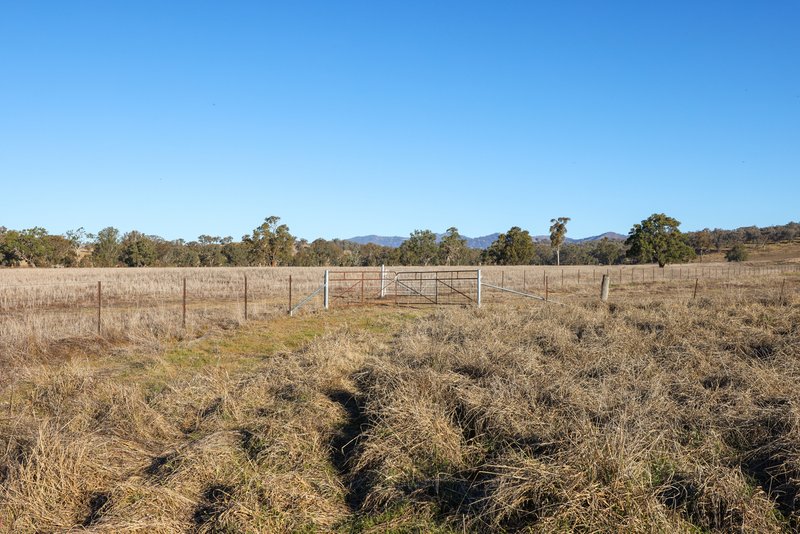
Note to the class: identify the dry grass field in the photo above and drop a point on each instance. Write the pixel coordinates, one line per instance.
(40, 308)
(770, 252)
(657, 411)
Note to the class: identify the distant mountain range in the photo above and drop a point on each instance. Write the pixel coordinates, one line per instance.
(476, 242)
(612, 236)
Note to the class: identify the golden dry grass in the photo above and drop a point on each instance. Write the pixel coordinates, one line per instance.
(640, 417)
(770, 252)
(44, 310)
(41, 308)
(654, 412)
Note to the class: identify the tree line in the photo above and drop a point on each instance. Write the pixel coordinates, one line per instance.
(656, 239)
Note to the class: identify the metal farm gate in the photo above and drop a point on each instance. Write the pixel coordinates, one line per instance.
(437, 287)
(461, 287)
(355, 287)
(452, 287)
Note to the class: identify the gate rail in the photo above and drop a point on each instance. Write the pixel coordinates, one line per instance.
(440, 287)
(455, 287)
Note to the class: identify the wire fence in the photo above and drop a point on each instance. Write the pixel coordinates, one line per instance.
(673, 282)
(168, 301)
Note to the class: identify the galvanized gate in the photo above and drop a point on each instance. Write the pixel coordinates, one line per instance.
(461, 287)
(451, 287)
(356, 287)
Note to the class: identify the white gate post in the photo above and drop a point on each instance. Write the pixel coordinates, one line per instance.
(383, 281)
(479, 288)
(326, 293)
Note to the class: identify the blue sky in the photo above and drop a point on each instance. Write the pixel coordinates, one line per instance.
(346, 118)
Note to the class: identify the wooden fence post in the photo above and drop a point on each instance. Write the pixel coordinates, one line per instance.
(290, 294)
(245, 297)
(545, 288)
(696, 281)
(780, 298)
(604, 287)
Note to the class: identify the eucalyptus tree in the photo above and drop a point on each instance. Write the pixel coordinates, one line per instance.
(452, 248)
(558, 231)
(419, 249)
(106, 248)
(270, 243)
(514, 247)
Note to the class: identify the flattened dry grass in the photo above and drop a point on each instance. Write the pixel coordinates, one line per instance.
(639, 415)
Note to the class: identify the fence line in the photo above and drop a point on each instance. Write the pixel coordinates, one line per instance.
(239, 298)
(634, 274)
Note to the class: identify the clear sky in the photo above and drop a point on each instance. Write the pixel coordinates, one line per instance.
(347, 118)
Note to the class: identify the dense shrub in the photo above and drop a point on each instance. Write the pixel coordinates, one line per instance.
(737, 253)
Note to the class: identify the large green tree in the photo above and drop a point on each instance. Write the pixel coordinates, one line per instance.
(419, 249)
(270, 243)
(452, 248)
(30, 246)
(514, 247)
(658, 239)
(137, 250)
(701, 241)
(558, 231)
(106, 248)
